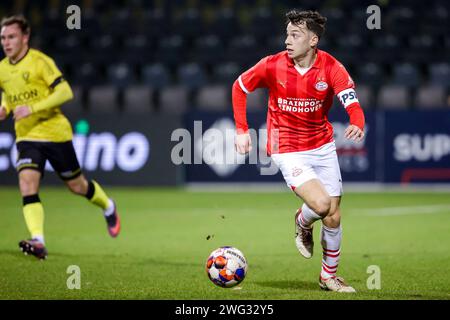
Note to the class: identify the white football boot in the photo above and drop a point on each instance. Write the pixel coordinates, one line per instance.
(335, 284)
(303, 238)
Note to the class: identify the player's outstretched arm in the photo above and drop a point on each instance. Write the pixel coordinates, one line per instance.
(248, 81)
(242, 140)
(355, 131)
(61, 94)
(344, 87)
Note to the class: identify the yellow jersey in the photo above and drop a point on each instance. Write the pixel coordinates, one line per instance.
(27, 82)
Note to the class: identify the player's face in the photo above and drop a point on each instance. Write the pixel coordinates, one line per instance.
(299, 40)
(13, 41)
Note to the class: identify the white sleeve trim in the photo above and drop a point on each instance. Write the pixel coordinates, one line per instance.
(241, 84)
(347, 97)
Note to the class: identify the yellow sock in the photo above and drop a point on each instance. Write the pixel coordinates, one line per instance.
(99, 198)
(34, 218)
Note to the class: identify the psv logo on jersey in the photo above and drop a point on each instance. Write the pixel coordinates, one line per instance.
(321, 85)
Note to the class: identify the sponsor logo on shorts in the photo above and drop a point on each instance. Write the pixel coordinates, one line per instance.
(67, 174)
(24, 161)
(296, 172)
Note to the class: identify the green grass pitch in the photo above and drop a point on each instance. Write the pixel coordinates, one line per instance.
(163, 247)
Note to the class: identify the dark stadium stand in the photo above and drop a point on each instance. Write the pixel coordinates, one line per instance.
(177, 55)
(138, 99)
(213, 97)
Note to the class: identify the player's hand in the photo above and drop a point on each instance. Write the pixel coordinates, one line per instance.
(21, 112)
(354, 133)
(243, 143)
(3, 113)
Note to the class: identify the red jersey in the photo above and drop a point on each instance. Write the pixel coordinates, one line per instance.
(298, 104)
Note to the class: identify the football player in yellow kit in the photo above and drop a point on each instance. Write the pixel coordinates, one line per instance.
(33, 89)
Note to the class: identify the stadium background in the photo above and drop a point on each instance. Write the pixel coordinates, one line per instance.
(142, 69)
(150, 67)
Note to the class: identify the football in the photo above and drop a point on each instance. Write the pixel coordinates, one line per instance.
(226, 267)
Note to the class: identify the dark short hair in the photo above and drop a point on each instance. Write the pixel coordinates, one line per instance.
(20, 20)
(313, 20)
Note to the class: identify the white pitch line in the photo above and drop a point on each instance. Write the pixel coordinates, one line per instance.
(397, 211)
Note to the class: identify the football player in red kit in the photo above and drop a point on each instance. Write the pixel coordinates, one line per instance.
(302, 81)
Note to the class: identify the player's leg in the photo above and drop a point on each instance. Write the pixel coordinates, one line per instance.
(63, 158)
(318, 193)
(301, 178)
(331, 234)
(30, 166)
(32, 207)
(316, 205)
(97, 196)
(333, 219)
(317, 201)
(90, 189)
(330, 238)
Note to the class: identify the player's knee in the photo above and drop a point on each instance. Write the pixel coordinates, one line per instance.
(322, 206)
(28, 186)
(335, 217)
